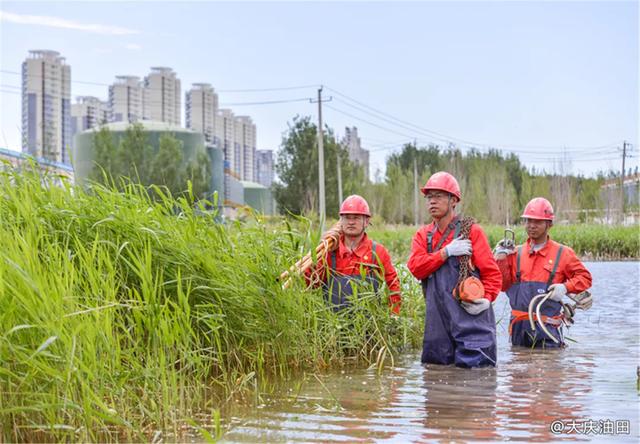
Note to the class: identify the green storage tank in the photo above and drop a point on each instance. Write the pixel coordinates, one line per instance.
(258, 197)
(83, 155)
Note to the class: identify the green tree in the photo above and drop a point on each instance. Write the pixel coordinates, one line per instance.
(104, 148)
(297, 168)
(166, 167)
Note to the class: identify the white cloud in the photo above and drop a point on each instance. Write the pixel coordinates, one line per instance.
(57, 22)
(133, 46)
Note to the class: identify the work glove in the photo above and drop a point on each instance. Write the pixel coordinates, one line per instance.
(476, 307)
(558, 291)
(459, 247)
(502, 249)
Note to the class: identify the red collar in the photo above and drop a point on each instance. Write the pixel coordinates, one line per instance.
(360, 251)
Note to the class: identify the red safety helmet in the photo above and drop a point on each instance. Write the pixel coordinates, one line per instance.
(355, 204)
(538, 208)
(442, 181)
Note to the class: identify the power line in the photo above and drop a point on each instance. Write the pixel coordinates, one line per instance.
(368, 122)
(446, 138)
(524, 154)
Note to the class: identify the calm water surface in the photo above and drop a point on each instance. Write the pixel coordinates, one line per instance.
(593, 379)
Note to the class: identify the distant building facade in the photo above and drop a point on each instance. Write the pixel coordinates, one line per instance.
(125, 99)
(46, 106)
(88, 112)
(162, 96)
(357, 154)
(201, 107)
(264, 167)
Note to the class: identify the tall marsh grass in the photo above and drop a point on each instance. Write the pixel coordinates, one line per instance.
(600, 242)
(122, 316)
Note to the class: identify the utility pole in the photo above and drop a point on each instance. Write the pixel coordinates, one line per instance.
(339, 175)
(321, 198)
(321, 203)
(415, 191)
(622, 198)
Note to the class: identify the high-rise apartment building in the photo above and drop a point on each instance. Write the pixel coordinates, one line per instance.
(357, 154)
(264, 167)
(201, 107)
(88, 112)
(46, 106)
(246, 143)
(125, 99)
(162, 96)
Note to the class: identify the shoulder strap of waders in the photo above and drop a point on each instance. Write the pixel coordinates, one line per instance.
(453, 225)
(374, 256)
(518, 264)
(333, 260)
(555, 266)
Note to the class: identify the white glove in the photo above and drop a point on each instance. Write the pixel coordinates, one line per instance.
(476, 307)
(558, 291)
(501, 249)
(459, 247)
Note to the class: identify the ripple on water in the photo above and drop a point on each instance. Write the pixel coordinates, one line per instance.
(594, 378)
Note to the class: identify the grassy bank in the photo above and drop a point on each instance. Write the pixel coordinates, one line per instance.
(600, 242)
(122, 317)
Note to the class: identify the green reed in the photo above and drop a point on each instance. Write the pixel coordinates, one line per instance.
(122, 316)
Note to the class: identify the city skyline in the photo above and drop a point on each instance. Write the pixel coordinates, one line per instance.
(552, 81)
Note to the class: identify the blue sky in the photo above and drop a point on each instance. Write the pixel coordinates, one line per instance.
(550, 81)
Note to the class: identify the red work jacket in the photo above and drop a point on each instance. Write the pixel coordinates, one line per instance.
(422, 263)
(537, 266)
(348, 262)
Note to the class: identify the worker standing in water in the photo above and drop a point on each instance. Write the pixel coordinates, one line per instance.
(540, 266)
(355, 259)
(457, 331)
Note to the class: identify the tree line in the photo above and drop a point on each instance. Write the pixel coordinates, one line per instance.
(495, 186)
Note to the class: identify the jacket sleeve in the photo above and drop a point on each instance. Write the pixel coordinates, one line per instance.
(422, 264)
(578, 278)
(485, 263)
(391, 278)
(507, 266)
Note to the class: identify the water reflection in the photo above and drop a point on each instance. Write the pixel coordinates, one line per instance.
(455, 396)
(539, 387)
(594, 378)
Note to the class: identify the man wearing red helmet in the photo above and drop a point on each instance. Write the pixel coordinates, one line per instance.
(462, 333)
(356, 258)
(539, 266)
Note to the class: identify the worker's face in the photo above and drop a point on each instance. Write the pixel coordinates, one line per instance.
(537, 229)
(439, 203)
(353, 224)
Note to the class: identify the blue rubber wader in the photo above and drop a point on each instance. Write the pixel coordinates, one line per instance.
(451, 335)
(520, 295)
(341, 287)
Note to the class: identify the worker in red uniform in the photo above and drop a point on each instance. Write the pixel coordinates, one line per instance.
(356, 259)
(462, 333)
(539, 266)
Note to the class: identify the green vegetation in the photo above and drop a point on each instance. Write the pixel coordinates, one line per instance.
(124, 316)
(495, 187)
(589, 241)
(297, 168)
